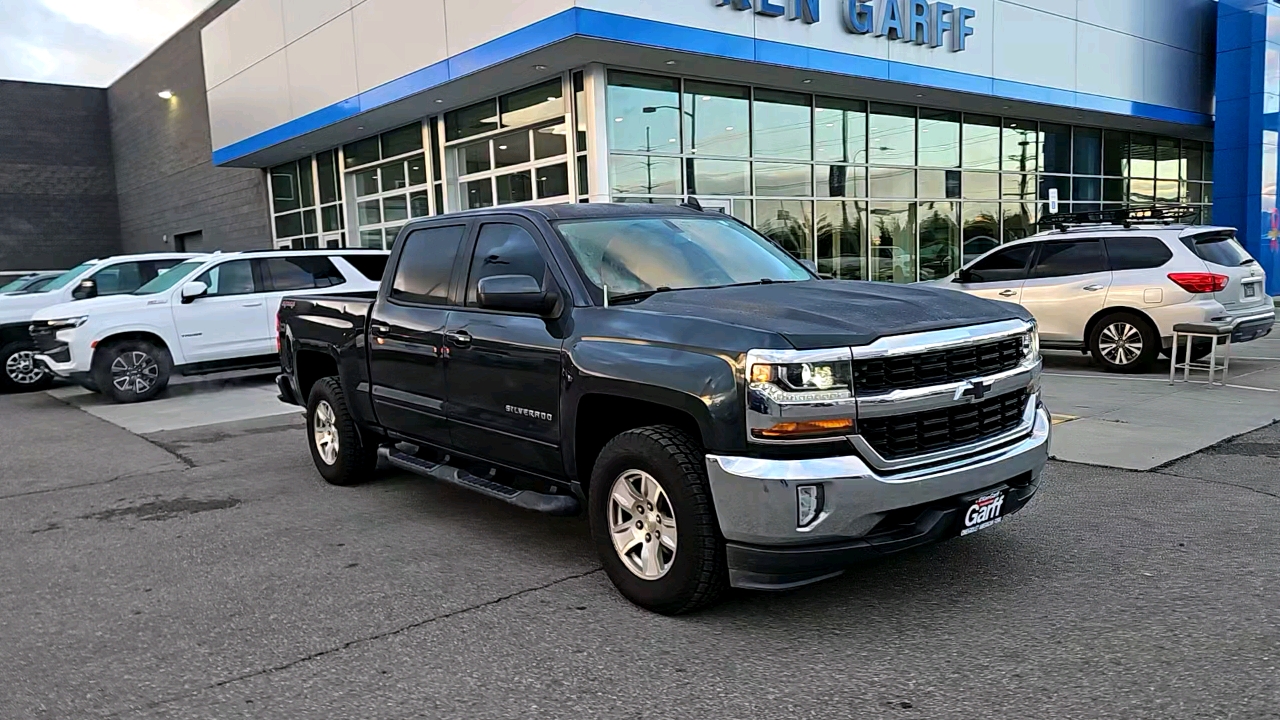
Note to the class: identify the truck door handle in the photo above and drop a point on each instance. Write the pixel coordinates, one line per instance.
(253, 304)
(1008, 293)
(379, 329)
(461, 338)
(1093, 288)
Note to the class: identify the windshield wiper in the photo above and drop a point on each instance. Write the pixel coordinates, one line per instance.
(637, 296)
(1247, 261)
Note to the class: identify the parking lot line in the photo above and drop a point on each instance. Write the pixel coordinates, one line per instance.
(1157, 380)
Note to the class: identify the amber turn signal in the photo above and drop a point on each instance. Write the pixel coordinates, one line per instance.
(838, 426)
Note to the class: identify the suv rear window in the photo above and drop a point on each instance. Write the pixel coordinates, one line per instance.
(301, 273)
(370, 266)
(1137, 253)
(1220, 248)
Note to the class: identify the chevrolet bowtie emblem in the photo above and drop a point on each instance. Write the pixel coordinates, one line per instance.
(973, 390)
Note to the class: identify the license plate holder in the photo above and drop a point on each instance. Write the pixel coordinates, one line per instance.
(979, 512)
(1251, 290)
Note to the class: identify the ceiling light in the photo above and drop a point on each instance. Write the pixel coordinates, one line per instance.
(617, 119)
(729, 129)
(539, 67)
(671, 62)
(919, 95)
(165, 94)
(439, 100)
(806, 81)
(502, 147)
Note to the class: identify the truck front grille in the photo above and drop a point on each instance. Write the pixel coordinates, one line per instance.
(45, 338)
(904, 436)
(878, 375)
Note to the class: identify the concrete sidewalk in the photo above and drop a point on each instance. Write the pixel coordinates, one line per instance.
(1140, 422)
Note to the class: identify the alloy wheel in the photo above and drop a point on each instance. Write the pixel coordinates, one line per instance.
(642, 524)
(23, 369)
(134, 372)
(1121, 343)
(325, 431)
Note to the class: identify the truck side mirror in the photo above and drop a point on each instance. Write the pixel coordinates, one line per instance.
(192, 290)
(516, 293)
(964, 276)
(86, 290)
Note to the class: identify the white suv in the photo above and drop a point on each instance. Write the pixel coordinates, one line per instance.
(1117, 291)
(96, 278)
(209, 314)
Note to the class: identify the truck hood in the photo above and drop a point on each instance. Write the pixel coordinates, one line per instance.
(96, 306)
(17, 309)
(834, 313)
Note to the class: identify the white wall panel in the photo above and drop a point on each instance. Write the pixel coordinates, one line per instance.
(474, 22)
(1179, 23)
(303, 16)
(1172, 76)
(828, 34)
(215, 42)
(397, 37)
(322, 67)
(251, 102)
(979, 55)
(1065, 8)
(1109, 63)
(250, 31)
(1126, 16)
(1035, 47)
(694, 14)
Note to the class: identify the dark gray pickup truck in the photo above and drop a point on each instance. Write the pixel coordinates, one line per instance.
(724, 416)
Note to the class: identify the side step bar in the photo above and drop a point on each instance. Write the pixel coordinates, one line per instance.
(550, 504)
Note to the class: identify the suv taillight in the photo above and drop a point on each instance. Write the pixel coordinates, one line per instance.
(1200, 282)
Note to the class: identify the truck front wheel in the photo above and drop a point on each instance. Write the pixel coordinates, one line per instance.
(653, 521)
(340, 454)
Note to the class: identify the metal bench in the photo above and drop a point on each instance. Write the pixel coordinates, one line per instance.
(1190, 332)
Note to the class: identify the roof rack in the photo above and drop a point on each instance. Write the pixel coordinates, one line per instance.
(1164, 214)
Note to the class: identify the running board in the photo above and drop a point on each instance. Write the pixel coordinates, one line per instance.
(527, 499)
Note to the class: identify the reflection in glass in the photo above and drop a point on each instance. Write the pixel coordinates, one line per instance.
(1142, 156)
(1168, 161)
(1019, 220)
(1193, 160)
(939, 184)
(1087, 189)
(514, 188)
(528, 106)
(1167, 191)
(477, 194)
(981, 142)
(395, 208)
(842, 239)
(553, 180)
(1208, 170)
(511, 149)
(644, 113)
(361, 152)
(419, 205)
(1017, 186)
(549, 142)
(401, 140)
(291, 224)
(939, 138)
(1195, 193)
(787, 222)
(1088, 151)
(472, 120)
(784, 179)
(636, 175)
(891, 183)
(1115, 153)
(327, 172)
(1021, 146)
(474, 157)
(781, 125)
(982, 186)
(719, 177)
(1055, 152)
(841, 181)
(369, 212)
(1061, 184)
(393, 177)
(285, 193)
(892, 136)
(840, 130)
(331, 218)
(371, 239)
(980, 229)
(891, 255)
(718, 119)
(1115, 190)
(939, 239)
(417, 171)
(580, 110)
(1142, 192)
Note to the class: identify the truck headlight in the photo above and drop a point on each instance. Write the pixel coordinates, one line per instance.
(1031, 343)
(65, 323)
(803, 382)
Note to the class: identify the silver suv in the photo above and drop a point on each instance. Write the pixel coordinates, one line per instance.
(1117, 290)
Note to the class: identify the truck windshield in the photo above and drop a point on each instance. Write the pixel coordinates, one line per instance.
(65, 278)
(168, 278)
(643, 255)
(15, 285)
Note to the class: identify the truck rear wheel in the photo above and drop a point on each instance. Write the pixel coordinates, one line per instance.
(653, 521)
(337, 449)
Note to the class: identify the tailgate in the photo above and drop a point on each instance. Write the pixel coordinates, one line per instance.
(1223, 254)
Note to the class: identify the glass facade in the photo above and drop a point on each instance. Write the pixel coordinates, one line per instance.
(873, 190)
(387, 176)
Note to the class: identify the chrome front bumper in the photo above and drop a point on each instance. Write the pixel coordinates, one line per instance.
(755, 499)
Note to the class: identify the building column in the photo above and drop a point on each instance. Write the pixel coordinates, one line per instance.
(595, 86)
(1246, 131)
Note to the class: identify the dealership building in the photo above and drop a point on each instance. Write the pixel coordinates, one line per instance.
(884, 139)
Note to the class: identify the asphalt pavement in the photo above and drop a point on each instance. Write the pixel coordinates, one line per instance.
(209, 573)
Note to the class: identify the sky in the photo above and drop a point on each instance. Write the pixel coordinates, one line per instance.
(85, 42)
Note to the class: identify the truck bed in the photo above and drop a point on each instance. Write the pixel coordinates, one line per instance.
(326, 323)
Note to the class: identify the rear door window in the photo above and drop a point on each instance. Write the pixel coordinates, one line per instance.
(1068, 258)
(285, 274)
(1219, 249)
(1007, 265)
(426, 264)
(1137, 253)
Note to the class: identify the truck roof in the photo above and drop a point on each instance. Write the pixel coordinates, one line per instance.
(578, 211)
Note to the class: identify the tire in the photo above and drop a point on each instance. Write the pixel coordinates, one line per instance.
(687, 570)
(131, 371)
(337, 449)
(1123, 342)
(19, 372)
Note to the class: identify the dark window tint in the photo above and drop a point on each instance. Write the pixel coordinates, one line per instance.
(1061, 259)
(1002, 266)
(1137, 253)
(39, 285)
(504, 249)
(1219, 249)
(370, 266)
(230, 278)
(128, 277)
(426, 265)
(302, 273)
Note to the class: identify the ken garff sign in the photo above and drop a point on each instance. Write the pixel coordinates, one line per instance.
(913, 21)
